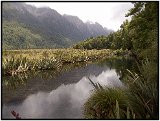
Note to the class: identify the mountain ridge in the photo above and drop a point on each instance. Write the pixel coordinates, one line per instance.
(56, 30)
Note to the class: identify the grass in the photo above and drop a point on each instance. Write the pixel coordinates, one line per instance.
(19, 61)
(139, 100)
(143, 90)
(108, 103)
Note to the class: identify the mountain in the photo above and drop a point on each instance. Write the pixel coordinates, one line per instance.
(45, 27)
(88, 28)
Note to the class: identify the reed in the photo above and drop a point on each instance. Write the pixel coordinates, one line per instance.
(19, 61)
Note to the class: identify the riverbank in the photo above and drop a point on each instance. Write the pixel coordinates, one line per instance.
(19, 61)
(138, 100)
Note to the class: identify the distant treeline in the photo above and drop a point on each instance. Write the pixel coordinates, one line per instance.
(140, 35)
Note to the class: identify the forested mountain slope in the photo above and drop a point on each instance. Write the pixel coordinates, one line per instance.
(53, 29)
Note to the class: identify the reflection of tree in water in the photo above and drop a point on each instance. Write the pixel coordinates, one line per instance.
(16, 88)
(47, 80)
(120, 65)
(13, 82)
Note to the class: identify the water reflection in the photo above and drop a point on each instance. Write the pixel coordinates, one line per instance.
(64, 102)
(12, 82)
(108, 78)
(60, 95)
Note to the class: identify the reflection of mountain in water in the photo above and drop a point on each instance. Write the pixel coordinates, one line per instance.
(38, 82)
(67, 100)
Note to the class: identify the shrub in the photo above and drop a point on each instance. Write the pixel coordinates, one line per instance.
(107, 103)
(143, 91)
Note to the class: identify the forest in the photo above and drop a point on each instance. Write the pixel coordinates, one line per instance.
(30, 27)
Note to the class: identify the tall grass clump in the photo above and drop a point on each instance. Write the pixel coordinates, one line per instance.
(139, 99)
(109, 103)
(44, 64)
(12, 66)
(143, 91)
(15, 65)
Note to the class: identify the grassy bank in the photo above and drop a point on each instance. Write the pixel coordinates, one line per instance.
(138, 100)
(18, 61)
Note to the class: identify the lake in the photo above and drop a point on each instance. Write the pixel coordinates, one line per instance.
(59, 94)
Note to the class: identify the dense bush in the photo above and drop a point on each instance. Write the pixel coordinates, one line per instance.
(103, 104)
(16, 61)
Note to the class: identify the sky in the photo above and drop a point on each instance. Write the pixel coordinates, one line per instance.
(108, 14)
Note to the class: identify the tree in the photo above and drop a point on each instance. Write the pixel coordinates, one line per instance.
(143, 28)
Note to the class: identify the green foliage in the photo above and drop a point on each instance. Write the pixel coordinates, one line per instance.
(143, 28)
(15, 36)
(16, 61)
(143, 91)
(116, 40)
(55, 30)
(109, 103)
(13, 66)
(138, 100)
(140, 35)
(100, 42)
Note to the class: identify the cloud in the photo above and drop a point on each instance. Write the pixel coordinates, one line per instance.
(65, 102)
(108, 14)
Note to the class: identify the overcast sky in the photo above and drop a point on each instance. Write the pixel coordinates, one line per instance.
(108, 14)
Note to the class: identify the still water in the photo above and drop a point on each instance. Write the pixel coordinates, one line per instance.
(61, 95)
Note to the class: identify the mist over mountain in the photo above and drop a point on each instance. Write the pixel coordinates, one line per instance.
(25, 26)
